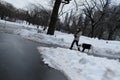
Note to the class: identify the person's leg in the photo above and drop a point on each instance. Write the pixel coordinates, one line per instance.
(77, 45)
(72, 44)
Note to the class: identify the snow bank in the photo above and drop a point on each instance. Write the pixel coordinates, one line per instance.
(79, 66)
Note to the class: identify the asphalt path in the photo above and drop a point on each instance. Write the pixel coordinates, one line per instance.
(20, 60)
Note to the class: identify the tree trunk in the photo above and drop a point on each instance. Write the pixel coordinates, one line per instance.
(110, 35)
(100, 33)
(92, 31)
(54, 17)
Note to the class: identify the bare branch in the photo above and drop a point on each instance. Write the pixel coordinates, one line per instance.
(61, 11)
(76, 5)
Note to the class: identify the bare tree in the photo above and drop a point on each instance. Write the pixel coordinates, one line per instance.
(39, 15)
(91, 9)
(7, 10)
(113, 21)
(67, 21)
(54, 16)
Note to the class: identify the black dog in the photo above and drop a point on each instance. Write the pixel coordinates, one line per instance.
(86, 46)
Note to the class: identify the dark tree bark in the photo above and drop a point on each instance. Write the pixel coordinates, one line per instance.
(111, 32)
(54, 17)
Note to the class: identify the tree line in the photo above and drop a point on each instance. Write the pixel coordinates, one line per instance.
(35, 14)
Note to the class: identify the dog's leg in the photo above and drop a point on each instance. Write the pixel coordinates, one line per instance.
(83, 49)
(88, 50)
(92, 49)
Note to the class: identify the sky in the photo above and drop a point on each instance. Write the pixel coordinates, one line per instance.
(18, 3)
(23, 3)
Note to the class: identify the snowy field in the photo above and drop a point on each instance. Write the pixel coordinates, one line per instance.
(75, 65)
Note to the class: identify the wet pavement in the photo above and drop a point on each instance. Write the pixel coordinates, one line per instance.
(20, 60)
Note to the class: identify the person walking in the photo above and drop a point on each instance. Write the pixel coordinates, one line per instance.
(77, 35)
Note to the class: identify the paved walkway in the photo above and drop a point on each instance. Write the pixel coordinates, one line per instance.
(20, 60)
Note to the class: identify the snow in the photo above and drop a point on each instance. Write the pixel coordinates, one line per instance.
(80, 66)
(76, 65)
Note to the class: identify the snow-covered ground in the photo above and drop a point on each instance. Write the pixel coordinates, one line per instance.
(80, 66)
(76, 65)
